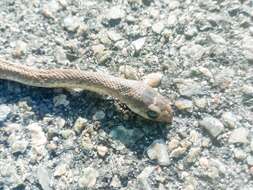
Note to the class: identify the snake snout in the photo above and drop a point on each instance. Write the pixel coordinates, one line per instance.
(158, 106)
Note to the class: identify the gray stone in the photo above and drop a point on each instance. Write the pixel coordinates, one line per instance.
(43, 176)
(126, 136)
(250, 160)
(188, 87)
(99, 115)
(239, 135)
(142, 178)
(128, 72)
(217, 39)
(4, 112)
(60, 55)
(20, 49)
(239, 154)
(60, 100)
(158, 27)
(88, 178)
(115, 13)
(19, 146)
(224, 78)
(172, 20)
(213, 126)
(80, 124)
(114, 36)
(178, 152)
(200, 102)
(71, 23)
(191, 32)
(247, 90)
(38, 138)
(138, 44)
(116, 183)
(251, 30)
(229, 119)
(184, 104)
(247, 45)
(102, 150)
(193, 154)
(60, 170)
(9, 175)
(67, 133)
(158, 151)
(153, 79)
(51, 8)
(193, 51)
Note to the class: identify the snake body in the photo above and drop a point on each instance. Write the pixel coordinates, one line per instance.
(137, 95)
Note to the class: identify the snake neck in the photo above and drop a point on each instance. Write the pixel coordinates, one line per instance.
(66, 78)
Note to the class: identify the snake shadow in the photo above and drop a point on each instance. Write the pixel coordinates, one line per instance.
(134, 132)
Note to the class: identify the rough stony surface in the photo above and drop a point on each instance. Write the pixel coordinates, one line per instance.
(70, 139)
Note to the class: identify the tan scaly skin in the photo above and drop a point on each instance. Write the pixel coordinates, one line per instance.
(138, 96)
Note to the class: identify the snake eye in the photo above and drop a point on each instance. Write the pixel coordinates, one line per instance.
(152, 114)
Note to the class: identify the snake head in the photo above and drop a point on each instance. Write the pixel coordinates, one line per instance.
(151, 105)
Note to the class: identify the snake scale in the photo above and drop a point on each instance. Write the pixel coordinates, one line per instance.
(137, 95)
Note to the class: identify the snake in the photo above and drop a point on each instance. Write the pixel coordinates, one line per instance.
(137, 95)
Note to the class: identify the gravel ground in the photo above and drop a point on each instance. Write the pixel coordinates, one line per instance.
(201, 53)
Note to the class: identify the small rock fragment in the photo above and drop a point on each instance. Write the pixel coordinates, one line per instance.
(80, 124)
(38, 138)
(143, 178)
(247, 45)
(158, 27)
(200, 102)
(115, 182)
(20, 49)
(138, 44)
(247, 90)
(126, 136)
(99, 115)
(4, 112)
(60, 55)
(114, 36)
(129, 72)
(158, 151)
(102, 150)
(224, 78)
(50, 9)
(71, 23)
(19, 146)
(60, 170)
(217, 39)
(194, 51)
(250, 160)
(153, 79)
(67, 133)
(239, 135)
(229, 119)
(88, 178)
(184, 104)
(213, 126)
(177, 152)
(60, 100)
(193, 154)
(115, 13)
(43, 177)
(239, 154)
(174, 143)
(188, 87)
